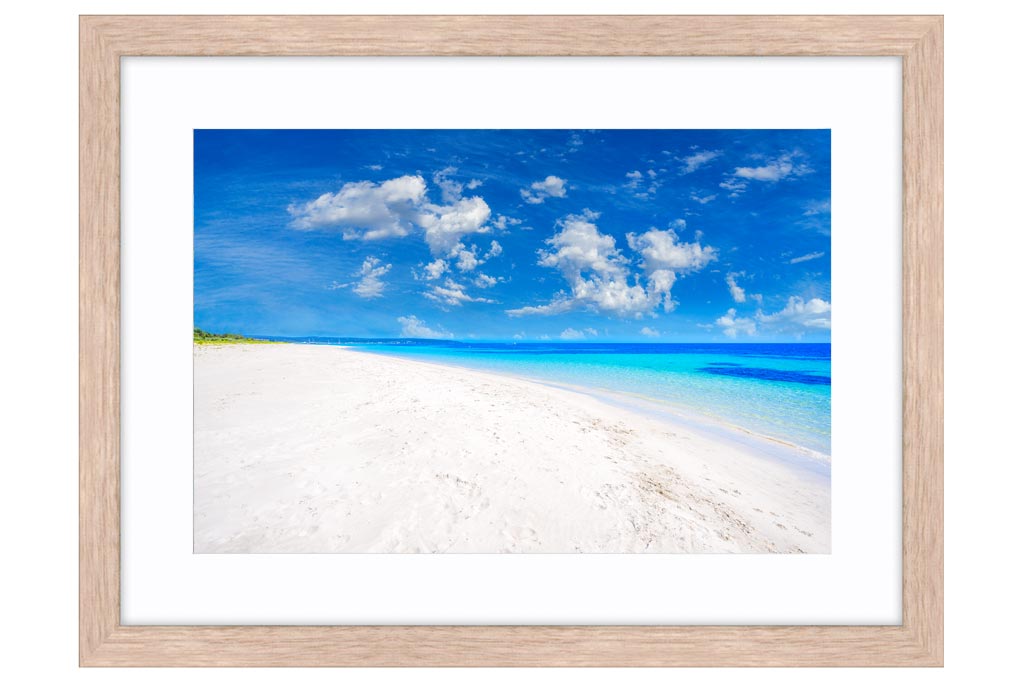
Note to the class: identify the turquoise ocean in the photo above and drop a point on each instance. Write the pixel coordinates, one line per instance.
(783, 391)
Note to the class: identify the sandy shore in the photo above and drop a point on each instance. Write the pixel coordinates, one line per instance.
(324, 449)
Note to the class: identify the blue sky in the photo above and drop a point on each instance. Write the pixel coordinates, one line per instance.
(606, 235)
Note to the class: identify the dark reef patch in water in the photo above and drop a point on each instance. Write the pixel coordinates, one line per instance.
(767, 374)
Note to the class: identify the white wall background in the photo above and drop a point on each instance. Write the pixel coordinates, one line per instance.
(38, 344)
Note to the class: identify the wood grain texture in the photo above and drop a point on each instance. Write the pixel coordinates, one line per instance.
(511, 35)
(103, 641)
(99, 318)
(923, 342)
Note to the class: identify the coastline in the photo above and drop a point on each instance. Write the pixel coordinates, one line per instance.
(315, 448)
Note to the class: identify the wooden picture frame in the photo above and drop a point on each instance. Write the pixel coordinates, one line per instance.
(104, 641)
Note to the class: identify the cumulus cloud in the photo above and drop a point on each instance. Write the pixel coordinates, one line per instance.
(485, 281)
(797, 318)
(444, 227)
(466, 259)
(552, 186)
(703, 198)
(662, 250)
(650, 332)
(738, 295)
(367, 211)
(452, 293)
(732, 326)
(371, 286)
(599, 276)
(416, 328)
(435, 269)
(807, 257)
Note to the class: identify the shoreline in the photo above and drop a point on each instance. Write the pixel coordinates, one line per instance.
(325, 448)
(661, 408)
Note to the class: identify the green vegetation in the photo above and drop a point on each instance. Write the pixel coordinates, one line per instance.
(202, 337)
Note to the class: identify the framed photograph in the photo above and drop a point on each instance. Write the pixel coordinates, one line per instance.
(511, 340)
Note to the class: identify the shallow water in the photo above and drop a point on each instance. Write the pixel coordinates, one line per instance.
(778, 390)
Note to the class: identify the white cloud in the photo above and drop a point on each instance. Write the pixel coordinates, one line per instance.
(818, 207)
(643, 185)
(394, 208)
(451, 190)
(694, 161)
(485, 281)
(678, 224)
(561, 304)
(365, 210)
(445, 226)
(416, 328)
(807, 257)
(452, 293)
(799, 315)
(796, 318)
(570, 333)
(435, 269)
(599, 275)
(738, 295)
(703, 198)
(662, 250)
(467, 259)
(650, 332)
(503, 223)
(734, 187)
(775, 169)
(552, 186)
(733, 326)
(371, 286)
(474, 183)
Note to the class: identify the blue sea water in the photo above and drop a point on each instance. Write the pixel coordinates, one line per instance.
(778, 390)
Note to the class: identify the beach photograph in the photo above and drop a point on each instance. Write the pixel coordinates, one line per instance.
(512, 341)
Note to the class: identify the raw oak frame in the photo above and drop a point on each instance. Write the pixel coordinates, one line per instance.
(104, 641)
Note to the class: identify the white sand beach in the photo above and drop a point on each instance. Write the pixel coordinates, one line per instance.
(302, 448)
